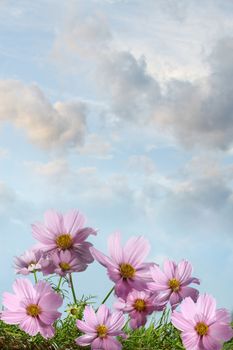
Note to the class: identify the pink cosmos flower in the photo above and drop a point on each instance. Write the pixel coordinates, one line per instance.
(125, 266)
(64, 232)
(101, 329)
(203, 327)
(33, 308)
(31, 260)
(63, 262)
(173, 281)
(139, 305)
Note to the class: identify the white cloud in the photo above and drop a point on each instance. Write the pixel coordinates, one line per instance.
(58, 126)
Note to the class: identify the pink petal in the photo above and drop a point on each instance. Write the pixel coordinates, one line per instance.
(211, 343)
(43, 287)
(188, 309)
(50, 301)
(11, 301)
(190, 340)
(184, 270)
(54, 221)
(221, 332)
(30, 325)
(159, 276)
(23, 288)
(40, 232)
(82, 234)
(115, 249)
(46, 331)
(73, 221)
(180, 322)
(101, 258)
(175, 299)
(90, 317)
(223, 315)
(83, 251)
(102, 314)
(136, 250)
(97, 344)
(206, 305)
(85, 339)
(13, 317)
(110, 343)
(116, 322)
(85, 327)
(48, 317)
(169, 268)
(189, 292)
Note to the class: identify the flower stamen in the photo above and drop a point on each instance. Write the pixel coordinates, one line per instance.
(201, 328)
(64, 241)
(140, 305)
(64, 266)
(174, 284)
(127, 271)
(102, 331)
(33, 310)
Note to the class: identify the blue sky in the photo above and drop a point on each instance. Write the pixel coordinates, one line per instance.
(122, 109)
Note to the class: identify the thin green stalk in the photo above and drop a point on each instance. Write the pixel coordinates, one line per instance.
(59, 283)
(35, 276)
(108, 295)
(72, 289)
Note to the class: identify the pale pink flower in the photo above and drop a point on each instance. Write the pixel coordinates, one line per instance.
(101, 329)
(64, 232)
(30, 261)
(33, 308)
(173, 281)
(125, 265)
(202, 326)
(64, 262)
(139, 304)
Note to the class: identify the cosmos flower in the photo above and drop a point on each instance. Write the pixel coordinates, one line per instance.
(30, 261)
(139, 305)
(173, 281)
(101, 329)
(33, 308)
(202, 326)
(63, 262)
(125, 265)
(64, 232)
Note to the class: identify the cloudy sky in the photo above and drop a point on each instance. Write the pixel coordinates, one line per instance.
(124, 110)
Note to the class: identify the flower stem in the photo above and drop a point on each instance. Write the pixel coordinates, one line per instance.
(35, 276)
(72, 289)
(59, 284)
(108, 295)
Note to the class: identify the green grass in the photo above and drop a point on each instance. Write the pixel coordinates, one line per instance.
(161, 337)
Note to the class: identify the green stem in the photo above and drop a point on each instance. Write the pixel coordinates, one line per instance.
(35, 276)
(108, 295)
(72, 289)
(59, 283)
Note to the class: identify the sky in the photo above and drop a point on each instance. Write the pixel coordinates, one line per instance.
(122, 109)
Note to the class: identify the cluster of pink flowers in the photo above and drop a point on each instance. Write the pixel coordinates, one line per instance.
(141, 288)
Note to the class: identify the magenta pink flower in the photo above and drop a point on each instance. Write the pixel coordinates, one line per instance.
(125, 266)
(101, 329)
(64, 232)
(31, 260)
(33, 308)
(173, 282)
(203, 327)
(139, 305)
(63, 262)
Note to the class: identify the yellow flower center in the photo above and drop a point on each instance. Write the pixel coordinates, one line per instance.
(127, 271)
(140, 305)
(64, 266)
(33, 310)
(102, 331)
(174, 284)
(201, 328)
(64, 241)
